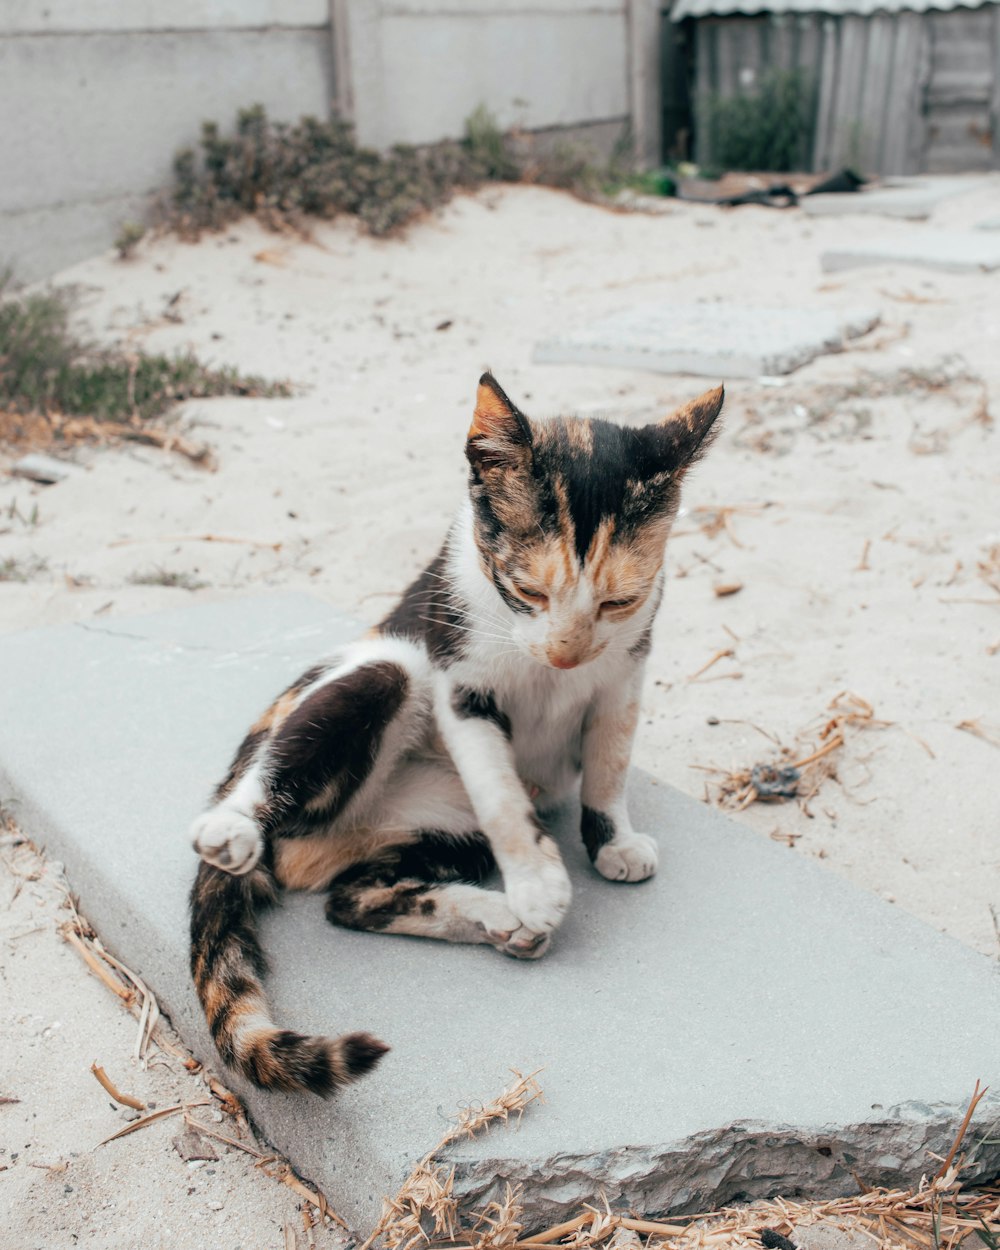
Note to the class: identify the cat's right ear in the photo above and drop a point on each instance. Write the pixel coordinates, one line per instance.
(500, 436)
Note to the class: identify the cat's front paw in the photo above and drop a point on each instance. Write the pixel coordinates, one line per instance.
(628, 859)
(523, 944)
(227, 840)
(538, 893)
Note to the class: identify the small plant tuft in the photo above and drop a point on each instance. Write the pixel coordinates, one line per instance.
(159, 576)
(130, 235)
(46, 368)
(769, 130)
(26, 570)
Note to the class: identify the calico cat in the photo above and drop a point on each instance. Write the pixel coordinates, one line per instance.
(397, 776)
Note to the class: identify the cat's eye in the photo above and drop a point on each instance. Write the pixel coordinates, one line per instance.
(537, 598)
(618, 603)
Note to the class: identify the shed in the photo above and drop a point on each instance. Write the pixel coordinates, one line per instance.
(886, 86)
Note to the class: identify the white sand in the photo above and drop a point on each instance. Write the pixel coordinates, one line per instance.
(59, 1188)
(345, 490)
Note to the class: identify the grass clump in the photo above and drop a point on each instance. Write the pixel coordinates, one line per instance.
(45, 368)
(130, 235)
(284, 173)
(160, 576)
(12, 570)
(769, 130)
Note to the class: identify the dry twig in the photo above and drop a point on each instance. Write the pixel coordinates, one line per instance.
(126, 1100)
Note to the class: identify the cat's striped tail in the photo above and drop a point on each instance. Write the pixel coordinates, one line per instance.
(227, 965)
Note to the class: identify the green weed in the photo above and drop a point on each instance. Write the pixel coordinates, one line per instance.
(46, 367)
(769, 130)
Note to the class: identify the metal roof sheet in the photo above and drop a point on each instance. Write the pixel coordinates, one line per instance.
(722, 8)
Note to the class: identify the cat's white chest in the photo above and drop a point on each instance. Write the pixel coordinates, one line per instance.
(547, 710)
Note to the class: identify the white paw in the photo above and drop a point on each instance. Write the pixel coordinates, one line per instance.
(538, 893)
(628, 859)
(505, 932)
(227, 839)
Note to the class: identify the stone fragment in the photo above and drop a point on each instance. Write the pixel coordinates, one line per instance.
(191, 1145)
(738, 1027)
(44, 469)
(954, 251)
(912, 198)
(710, 340)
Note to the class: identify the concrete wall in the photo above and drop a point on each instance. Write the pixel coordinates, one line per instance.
(413, 70)
(96, 95)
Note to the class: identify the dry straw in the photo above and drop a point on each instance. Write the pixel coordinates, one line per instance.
(936, 1215)
(736, 788)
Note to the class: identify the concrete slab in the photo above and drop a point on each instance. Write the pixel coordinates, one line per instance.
(955, 251)
(991, 223)
(745, 1024)
(911, 198)
(710, 340)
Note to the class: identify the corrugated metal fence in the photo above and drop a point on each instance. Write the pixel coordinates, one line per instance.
(893, 93)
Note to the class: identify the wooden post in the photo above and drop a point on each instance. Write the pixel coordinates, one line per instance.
(357, 63)
(645, 105)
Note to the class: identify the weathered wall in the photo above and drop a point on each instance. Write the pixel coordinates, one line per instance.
(413, 70)
(96, 96)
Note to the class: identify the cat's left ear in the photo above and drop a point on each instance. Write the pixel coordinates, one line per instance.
(500, 436)
(686, 434)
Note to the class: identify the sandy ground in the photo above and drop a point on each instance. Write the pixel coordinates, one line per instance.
(59, 1187)
(864, 525)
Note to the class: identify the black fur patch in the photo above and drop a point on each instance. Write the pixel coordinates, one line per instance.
(411, 870)
(620, 472)
(512, 601)
(361, 1052)
(597, 830)
(327, 746)
(480, 705)
(429, 612)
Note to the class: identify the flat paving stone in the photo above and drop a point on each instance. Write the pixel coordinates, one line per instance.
(745, 1024)
(911, 198)
(955, 251)
(710, 340)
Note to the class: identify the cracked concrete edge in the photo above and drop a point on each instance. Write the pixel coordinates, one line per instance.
(740, 1162)
(732, 363)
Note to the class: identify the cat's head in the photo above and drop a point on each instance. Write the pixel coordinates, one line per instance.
(572, 515)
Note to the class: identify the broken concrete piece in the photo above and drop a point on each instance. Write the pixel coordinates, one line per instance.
(955, 251)
(740, 1026)
(710, 340)
(44, 469)
(912, 198)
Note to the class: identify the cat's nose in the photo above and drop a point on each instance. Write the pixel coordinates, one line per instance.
(563, 661)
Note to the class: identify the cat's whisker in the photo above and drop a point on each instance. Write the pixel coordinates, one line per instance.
(469, 629)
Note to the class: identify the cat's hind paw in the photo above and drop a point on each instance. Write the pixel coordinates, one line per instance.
(628, 859)
(228, 840)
